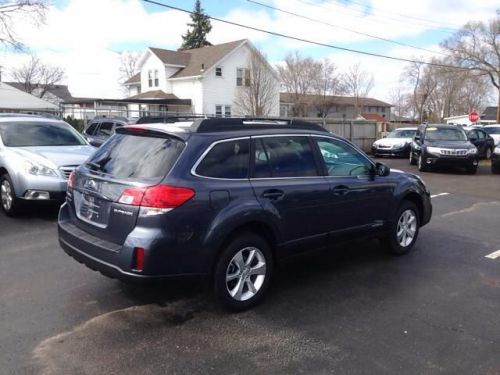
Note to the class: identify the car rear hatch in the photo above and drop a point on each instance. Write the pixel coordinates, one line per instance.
(107, 191)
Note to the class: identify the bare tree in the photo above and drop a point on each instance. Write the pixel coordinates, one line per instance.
(477, 47)
(128, 65)
(261, 94)
(37, 76)
(358, 84)
(326, 83)
(399, 98)
(10, 11)
(298, 75)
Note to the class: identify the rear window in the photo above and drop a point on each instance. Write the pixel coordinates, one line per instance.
(136, 156)
(32, 134)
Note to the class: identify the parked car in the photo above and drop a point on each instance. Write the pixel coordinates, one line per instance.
(99, 129)
(482, 140)
(495, 160)
(228, 198)
(396, 143)
(443, 145)
(494, 132)
(37, 156)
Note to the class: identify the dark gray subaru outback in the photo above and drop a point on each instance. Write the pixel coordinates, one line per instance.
(229, 198)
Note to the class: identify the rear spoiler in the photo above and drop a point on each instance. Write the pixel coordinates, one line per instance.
(142, 131)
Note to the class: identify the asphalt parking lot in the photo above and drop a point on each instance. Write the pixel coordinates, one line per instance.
(352, 309)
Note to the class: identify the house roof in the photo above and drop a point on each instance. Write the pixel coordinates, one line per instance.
(171, 57)
(154, 94)
(373, 117)
(335, 100)
(194, 59)
(61, 91)
(12, 98)
(136, 78)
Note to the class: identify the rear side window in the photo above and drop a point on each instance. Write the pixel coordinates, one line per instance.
(136, 156)
(228, 159)
(284, 157)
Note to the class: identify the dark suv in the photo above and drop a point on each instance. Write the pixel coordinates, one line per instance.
(100, 129)
(443, 146)
(230, 198)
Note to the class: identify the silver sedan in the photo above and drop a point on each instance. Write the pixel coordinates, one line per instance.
(37, 155)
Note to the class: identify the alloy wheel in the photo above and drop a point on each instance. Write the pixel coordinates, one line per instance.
(407, 228)
(246, 273)
(6, 195)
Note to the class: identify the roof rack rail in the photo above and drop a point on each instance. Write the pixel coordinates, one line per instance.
(169, 119)
(246, 123)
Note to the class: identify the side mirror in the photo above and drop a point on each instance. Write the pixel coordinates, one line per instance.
(382, 170)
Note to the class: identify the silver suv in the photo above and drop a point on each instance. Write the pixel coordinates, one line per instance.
(37, 155)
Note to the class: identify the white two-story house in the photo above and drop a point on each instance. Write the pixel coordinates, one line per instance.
(203, 80)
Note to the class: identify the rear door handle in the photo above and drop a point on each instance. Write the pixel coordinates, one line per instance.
(273, 194)
(340, 190)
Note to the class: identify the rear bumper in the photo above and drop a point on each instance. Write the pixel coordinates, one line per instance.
(117, 260)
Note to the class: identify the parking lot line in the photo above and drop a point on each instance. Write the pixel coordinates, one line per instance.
(439, 195)
(493, 255)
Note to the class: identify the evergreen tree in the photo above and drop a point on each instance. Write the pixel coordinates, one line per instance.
(200, 26)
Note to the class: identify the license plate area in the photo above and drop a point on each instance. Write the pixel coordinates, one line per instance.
(91, 209)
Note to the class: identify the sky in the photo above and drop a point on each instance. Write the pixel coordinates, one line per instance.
(86, 37)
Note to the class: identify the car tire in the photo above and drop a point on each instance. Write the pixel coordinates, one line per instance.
(243, 272)
(421, 165)
(487, 153)
(471, 169)
(8, 200)
(495, 168)
(412, 159)
(403, 232)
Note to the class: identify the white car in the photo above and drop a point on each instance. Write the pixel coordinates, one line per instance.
(397, 143)
(494, 132)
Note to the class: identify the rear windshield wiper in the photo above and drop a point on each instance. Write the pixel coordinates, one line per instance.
(93, 165)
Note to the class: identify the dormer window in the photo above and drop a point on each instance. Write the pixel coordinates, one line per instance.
(218, 72)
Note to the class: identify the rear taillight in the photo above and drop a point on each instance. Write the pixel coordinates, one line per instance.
(71, 180)
(138, 259)
(158, 196)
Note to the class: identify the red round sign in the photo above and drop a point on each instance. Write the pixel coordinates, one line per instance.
(473, 116)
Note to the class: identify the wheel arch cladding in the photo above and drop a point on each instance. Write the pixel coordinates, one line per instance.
(416, 199)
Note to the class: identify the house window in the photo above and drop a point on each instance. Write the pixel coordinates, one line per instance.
(150, 78)
(218, 72)
(222, 110)
(157, 80)
(242, 77)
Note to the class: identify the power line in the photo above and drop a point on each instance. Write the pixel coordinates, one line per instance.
(440, 23)
(342, 28)
(274, 33)
(385, 18)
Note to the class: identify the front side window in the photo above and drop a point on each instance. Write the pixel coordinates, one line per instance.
(229, 160)
(31, 134)
(289, 156)
(341, 159)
